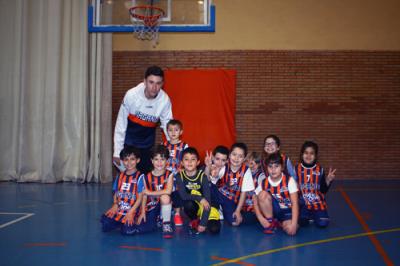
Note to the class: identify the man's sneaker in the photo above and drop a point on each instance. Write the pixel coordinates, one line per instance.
(168, 232)
(193, 224)
(178, 220)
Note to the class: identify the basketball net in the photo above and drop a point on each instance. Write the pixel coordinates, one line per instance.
(146, 21)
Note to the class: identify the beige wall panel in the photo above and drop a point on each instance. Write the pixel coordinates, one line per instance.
(287, 25)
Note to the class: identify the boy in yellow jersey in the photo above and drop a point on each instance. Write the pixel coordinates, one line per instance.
(194, 190)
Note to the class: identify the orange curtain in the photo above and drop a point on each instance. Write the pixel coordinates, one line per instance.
(204, 100)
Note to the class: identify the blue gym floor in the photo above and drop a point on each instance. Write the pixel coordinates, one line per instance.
(58, 224)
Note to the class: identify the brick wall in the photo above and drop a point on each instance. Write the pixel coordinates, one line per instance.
(347, 101)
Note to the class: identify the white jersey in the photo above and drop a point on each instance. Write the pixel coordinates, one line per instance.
(138, 118)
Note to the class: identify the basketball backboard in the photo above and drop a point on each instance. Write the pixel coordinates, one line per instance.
(180, 15)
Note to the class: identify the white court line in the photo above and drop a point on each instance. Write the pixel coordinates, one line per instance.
(26, 215)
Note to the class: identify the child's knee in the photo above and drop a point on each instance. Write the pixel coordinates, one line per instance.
(264, 197)
(165, 199)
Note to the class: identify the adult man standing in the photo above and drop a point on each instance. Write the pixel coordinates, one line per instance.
(143, 107)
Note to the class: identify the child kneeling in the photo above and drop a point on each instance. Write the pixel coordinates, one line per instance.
(277, 197)
(194, 189)
(127, 196)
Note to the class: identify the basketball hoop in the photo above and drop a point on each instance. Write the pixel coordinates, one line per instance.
(146, 21)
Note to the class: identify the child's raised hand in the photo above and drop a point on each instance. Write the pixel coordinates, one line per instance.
(205, 204)
(112, 211)
(330, 176)
(208, 159)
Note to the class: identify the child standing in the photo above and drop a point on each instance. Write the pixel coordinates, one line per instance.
(277, 197)
(233, 181)
(194, 189)
(272, 145)
(157, 188)
(127, 196)
(313, 186)
(175, 147)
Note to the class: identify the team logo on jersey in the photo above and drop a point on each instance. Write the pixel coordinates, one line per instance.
(233, 181)
(126, 186)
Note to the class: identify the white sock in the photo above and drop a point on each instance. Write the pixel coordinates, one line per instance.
(166, 213)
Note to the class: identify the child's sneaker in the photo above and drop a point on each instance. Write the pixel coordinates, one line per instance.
(168, 232)
(269, 230)
(178, 219)
(193, 224)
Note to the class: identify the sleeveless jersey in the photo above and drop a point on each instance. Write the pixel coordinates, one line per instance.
(193, 185)
(127, 194)
(175, 155)
(230, 184)
(248, 205)
(155, 183)
(310, 182)
(280, 192)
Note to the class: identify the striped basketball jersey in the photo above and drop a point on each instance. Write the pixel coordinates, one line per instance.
(193, 185)
(127, 194)
(280, 192)
(175, 155)
(309, 180)
(249, 204)
(230, 184)
(155, 183)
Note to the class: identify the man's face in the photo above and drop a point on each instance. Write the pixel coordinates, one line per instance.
(153, 86)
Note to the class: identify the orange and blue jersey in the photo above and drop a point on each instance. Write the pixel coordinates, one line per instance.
(127, 193)
(175, 155)
(230, 185)
(155, 183)
(310, 180)
(280, 193)
(248, 205)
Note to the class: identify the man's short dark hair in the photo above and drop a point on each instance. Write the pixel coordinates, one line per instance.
(155, 71)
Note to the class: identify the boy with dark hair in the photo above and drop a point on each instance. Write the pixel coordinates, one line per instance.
(232, 183)
(127, 196)
(277, 197)
(193, 187)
